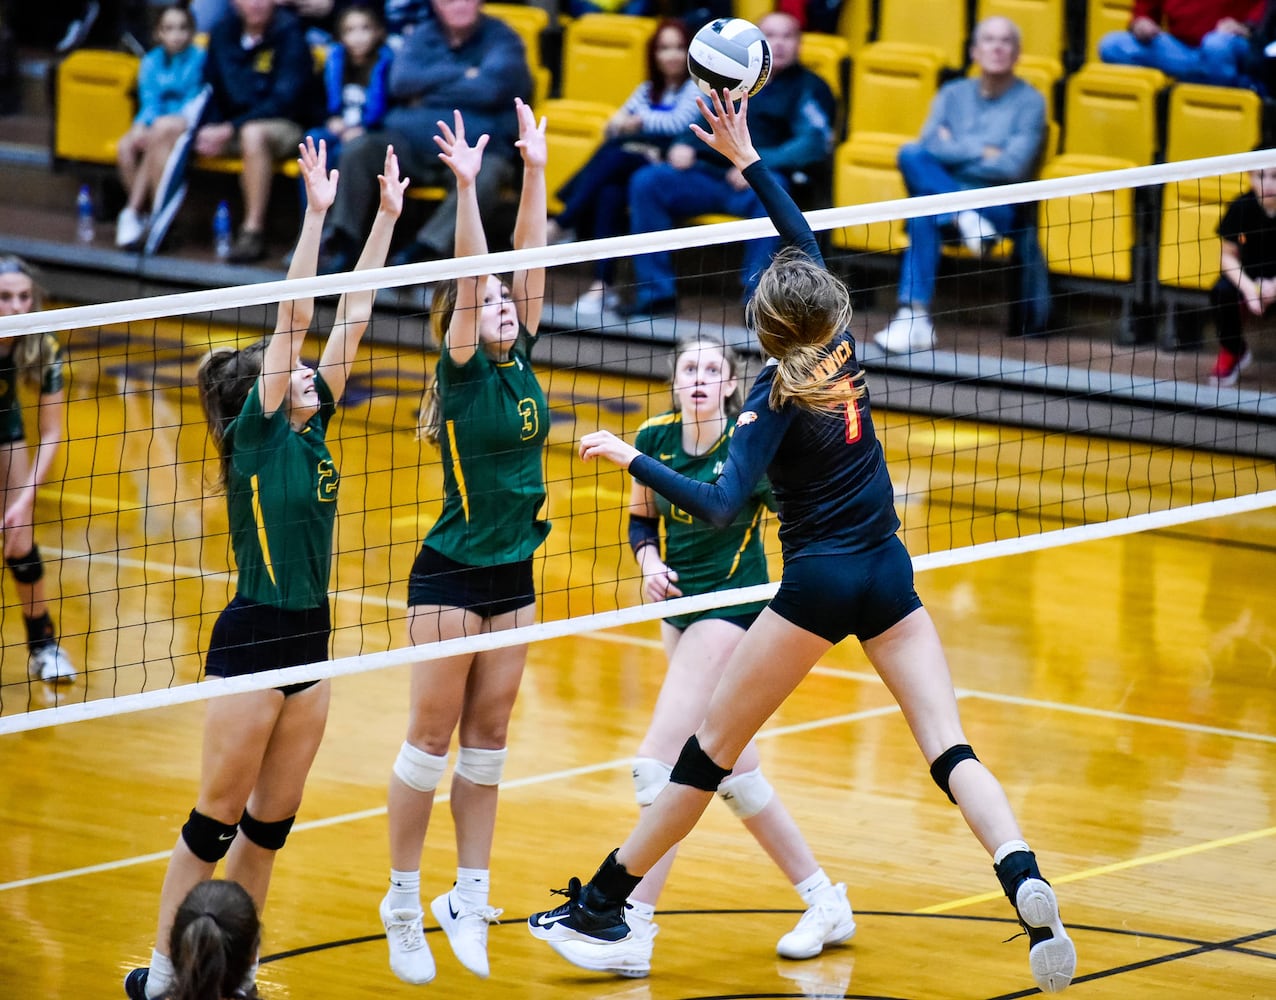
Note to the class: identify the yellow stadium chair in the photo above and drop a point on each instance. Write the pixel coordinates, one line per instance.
(1101, 18)
(95, 104)
(528, 21)
(865, 171)
(1041, 23)
(573, 131)
(855, 23)
(752, 10)
(938, 24)
(605, 57)
(827, 56)
(892, 90)
(1111, 111)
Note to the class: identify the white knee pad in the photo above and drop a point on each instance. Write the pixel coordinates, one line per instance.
(482, 767)
(419, 770)
(650, 775)
(746, 794)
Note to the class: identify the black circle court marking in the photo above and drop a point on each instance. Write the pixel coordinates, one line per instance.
(1192, 948)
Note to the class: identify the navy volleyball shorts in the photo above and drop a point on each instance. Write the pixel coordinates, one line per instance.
(249, 637)
(486, 590)
(837, 595)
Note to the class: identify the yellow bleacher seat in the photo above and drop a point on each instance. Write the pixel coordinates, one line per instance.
(892, 90)
(752, 10)
(865, 171)
(1041, 23)
(855, 23)
(95, 104)
(1102, 17)
(1111, 111)
(1202, 121)
(530, 22)
(605, 57)
(828, 57)
(938, 24)
(573, 131)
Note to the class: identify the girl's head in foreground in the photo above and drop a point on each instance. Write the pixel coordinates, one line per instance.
(706, 379)
(797, 309)
(214, 941)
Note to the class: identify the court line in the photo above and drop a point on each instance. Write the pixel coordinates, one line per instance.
(1116, 866)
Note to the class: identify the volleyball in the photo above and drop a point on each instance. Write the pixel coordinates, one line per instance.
(729, 54)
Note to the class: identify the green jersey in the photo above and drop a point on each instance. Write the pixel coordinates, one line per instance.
(282, 499)
(706, 558)
(52, 380)
(495, 424)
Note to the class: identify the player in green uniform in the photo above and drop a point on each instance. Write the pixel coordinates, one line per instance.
(487, 413)
(698, 558)
(40, 359)
(268, 414)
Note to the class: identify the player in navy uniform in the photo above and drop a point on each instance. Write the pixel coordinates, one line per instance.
(487, 413)
(807, 424)
(268, 414)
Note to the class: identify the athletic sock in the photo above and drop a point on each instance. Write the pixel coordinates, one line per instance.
(636, 908)
(472, 887)
(812, 886)
(160, 977)
(405, 890)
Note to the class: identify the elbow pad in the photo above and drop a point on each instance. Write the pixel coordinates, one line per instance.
(643, 531)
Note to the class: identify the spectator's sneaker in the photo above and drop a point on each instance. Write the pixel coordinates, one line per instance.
(129, 229)
(909, 330)
(1228, 367)
(51, 665)
(135, 984)
(248, 248)
(410, 957)
(977, 233)
(584, 917)
(630, 957)
(466, 930)
(828, 920)
(1051, 953)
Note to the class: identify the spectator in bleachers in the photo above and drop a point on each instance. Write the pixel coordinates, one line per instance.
(814, 15)
(595, 200)
(791, 120)
(1247, 282)
(981, 131)
(635, 7)
(1197, 41)
(355, 74)
(169, 76)
(460, 59)
(261, 72)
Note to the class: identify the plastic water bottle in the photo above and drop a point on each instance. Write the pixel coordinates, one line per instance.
(84, 215)
(222, 228)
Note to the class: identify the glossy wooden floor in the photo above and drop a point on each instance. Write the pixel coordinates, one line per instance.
(1121, 689)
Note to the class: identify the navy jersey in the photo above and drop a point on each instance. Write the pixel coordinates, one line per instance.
(832, 490)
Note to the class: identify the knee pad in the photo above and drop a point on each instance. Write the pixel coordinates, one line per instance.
(650, 775)
(270, 836)
(419, 770)
(28, 568)
(942, 768)
(696, 768)
(746, 794)
(482, 767)
(207, 838)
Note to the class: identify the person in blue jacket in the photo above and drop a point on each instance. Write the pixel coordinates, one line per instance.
(355, 71)
(808, 426)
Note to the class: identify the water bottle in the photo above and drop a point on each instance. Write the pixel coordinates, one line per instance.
(222, 230)
(84, 215)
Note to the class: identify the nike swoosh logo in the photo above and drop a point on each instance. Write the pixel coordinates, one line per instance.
(449, 908)
(545, 920)
(226, 836)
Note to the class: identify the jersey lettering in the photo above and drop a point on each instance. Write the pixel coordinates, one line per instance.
(531, 418)
(679, 515)
(854, 427)
(328, 480)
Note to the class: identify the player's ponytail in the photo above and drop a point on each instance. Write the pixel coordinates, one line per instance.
(214, 941)
(430, 417)
(225, 377)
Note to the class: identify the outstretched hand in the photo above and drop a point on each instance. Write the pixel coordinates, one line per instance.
(605, 444)
(464, 159)
(321, 186)
(531, 136)
(730, 129)
(392, 186)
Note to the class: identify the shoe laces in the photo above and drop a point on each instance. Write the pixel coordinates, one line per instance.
(572, 892)
(488, 914)
(408, 934)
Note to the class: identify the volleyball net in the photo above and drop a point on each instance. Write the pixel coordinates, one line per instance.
(997, 442)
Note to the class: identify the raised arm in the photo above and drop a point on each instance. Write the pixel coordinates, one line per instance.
(354, 310)
(284, 350)
(466, 161)
(529, 229)
(729, 135)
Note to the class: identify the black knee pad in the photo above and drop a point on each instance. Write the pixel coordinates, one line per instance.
(943, 766)
(28, 568)
(696, 768)
(271, 836)
(208, 839)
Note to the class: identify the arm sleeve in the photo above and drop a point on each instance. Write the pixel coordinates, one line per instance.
(751, 450)
(428, 69)
(783, 212)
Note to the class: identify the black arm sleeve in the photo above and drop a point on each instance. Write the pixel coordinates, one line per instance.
(783, 212)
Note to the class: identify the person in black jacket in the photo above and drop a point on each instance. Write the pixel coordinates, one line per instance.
(261, 73)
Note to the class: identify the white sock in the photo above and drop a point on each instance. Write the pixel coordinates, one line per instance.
(638, 910)
(812, 886)
(472, 887)
(1009, 847)
(405, 890)
(250, 978)
(161, 976)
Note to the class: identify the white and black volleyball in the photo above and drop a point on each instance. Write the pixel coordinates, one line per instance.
(732, 54)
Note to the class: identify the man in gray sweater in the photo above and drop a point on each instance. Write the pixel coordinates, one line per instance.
(981, 130)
